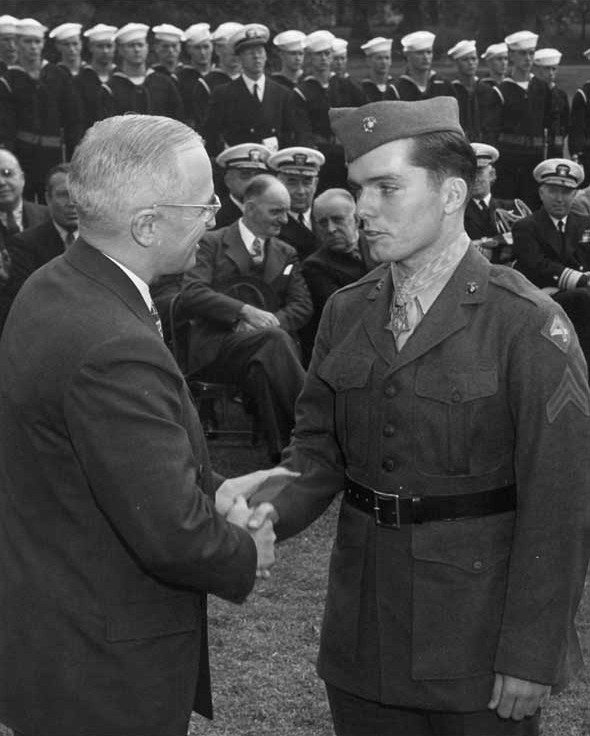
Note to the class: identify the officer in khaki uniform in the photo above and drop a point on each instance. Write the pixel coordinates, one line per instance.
(447, 397)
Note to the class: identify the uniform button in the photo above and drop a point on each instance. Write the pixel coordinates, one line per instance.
(388, 464)
(251, 130)
(390, 392)
(477, 565)
(388, 430)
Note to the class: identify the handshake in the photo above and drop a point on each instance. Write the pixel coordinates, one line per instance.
(231, 502)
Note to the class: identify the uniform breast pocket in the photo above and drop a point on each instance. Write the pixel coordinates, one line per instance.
(348, 375)
(458, 421)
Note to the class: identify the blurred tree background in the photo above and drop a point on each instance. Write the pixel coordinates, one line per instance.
(562, 23)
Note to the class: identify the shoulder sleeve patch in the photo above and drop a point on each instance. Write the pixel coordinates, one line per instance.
(557, 331)
(569, 390)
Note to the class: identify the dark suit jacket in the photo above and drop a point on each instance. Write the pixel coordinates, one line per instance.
(28, 251)
(221, 259)
(234, 116)
(539, 252)
(109, 539)
(300, 237)
(471, 402)
(33, 214)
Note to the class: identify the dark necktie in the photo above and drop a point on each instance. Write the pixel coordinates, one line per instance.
(255, 92)
(12, 227)
(482, 205)
(301, 220)
(561, 229)
(156, 318)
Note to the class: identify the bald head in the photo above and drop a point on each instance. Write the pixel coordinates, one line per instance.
(266, 204)
(12, 181)
(335, 220)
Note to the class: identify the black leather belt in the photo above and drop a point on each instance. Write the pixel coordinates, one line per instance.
(390, 510)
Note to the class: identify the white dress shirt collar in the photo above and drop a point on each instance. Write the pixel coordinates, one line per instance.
(63, 233)
(261, 82)
(247, 236)
(306, 217)
(142, 287)
(555, 220)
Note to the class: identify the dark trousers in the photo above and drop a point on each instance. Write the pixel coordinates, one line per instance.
(265, 365)
(576, 304)
(354, 716)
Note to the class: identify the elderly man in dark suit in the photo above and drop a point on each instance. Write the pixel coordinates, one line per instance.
(110, 538)
(447, 397)
(245, 335)
(343, 255)
(552, 246)
(252, 107)
(36, 246)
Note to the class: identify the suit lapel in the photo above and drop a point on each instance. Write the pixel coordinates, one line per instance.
(552, 236)
(235, 248)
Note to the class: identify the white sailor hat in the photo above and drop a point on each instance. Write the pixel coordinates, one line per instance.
(297, 160)
(521, 41)
(66, 30)
(101, 32)
(378, 45)
(198, 33)
(225, 31)
(319, 41)
(252, 34)
(418, 41)
(167, 32)
(560, 171)
(340, 46)
(494, 49)
(244, 156)
(8, 25)
(485, 154)
(547, 57)
(30, 27)
(461, 49)
(132, 32)
(290, 40)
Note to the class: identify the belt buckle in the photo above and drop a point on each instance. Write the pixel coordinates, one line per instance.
(377, 509)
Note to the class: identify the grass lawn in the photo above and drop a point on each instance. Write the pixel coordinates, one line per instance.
(263, 652)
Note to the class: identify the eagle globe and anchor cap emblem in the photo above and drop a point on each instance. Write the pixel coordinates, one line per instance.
(369, 123)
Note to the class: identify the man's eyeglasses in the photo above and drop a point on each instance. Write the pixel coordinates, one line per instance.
(209, 209)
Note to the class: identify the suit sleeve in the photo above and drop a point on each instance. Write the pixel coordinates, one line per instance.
(551, 538)
(530, 259)
(199, 298)
(298, 308)
(125, 418)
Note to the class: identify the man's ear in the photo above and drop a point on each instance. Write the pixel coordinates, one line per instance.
(143, 227)
(455, 192)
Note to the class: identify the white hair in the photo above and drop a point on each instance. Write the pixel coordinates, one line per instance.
(125, 163)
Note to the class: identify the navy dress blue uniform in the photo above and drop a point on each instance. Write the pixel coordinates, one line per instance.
(235, 116)
(157, 95)
(317, 101)
(481, 223)
(374, 94)
(579, 131)
(436, 87)
(479, 110)
(49, 122)
(7, 112)
(524, 126)
(96, 96)
(195, 94)
(560, 121)
(299, 237)
(283, 80)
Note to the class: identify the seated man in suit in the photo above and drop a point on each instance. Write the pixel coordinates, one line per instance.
(36, 246)
(552, 246)
(16, 213)
(480, 214)
(299, 168)
(240, 164)
(235, 341)
(342, 257)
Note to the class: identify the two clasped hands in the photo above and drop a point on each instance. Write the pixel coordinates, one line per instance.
(231, 501)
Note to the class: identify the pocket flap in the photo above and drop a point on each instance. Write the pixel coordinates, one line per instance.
(451, 387)
(343, 370)
(473, 545)
(147, 619)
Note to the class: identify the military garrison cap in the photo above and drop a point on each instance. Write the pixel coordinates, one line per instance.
(560, 171)
(244, 156)
(361, 129)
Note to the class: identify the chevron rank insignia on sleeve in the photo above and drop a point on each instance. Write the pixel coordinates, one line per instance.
(568, 391)
(557, 331)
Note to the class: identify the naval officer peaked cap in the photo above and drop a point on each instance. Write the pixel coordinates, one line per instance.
(560, 171)
(485, 154)
(361, 129)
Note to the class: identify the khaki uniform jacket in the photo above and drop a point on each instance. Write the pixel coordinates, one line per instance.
(489, 390)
